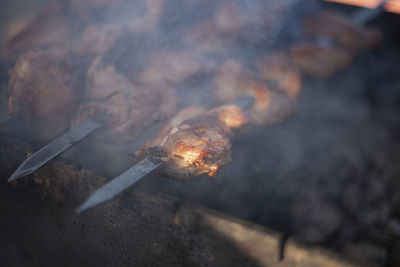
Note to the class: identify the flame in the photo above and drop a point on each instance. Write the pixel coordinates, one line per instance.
(192, 155)
(391, 6)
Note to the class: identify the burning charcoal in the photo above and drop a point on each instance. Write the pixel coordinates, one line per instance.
(41, 89)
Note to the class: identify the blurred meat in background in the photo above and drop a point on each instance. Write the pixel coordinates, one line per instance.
(314, 157)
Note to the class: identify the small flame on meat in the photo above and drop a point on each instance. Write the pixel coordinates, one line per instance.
(190, 154)
(195, 155)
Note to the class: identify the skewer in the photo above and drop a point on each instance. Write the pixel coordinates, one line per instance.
(120, 183)
(55, 148)
(136, 173)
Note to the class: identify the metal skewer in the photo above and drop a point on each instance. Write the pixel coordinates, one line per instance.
(55, 148)
(119, 184)
(136, 173)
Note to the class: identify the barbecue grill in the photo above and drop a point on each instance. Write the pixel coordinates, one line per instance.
(253, 133)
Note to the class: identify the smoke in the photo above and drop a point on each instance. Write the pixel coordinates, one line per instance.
(330, 139)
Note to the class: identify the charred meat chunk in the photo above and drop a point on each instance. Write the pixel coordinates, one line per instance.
(124, 107)
(195, 141)
(318, 61)
(340, 30)
(51, 28)
(42, 91)
(274, 87)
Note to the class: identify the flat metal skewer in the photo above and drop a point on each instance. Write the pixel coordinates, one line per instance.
(55, 148)
(136, 173)
(120, 183)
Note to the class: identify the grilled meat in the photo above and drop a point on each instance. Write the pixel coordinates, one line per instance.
(275, 90)
(195, 141)
(216, 33)
(50, 28)
(173, 67)
(278, 70)
(340, 30)
(318, 61)
(41, 89)
(103, 80)
(339, 40)
(125, 107)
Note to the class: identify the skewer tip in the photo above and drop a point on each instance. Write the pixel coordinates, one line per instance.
(91, 202)
(81, 208)
(16, 175)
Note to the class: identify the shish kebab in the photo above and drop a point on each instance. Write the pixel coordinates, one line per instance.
(113, 102)
(198, 141)
(336, 40)
(194, 142)
(67, 140)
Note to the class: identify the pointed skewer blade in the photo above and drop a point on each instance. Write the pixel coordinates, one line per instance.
(120, 183)
(55, 148)
(137, 172)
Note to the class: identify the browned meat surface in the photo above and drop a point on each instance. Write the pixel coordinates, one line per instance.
(217, 33)
(41, 89)
(342, 41)
(278, 70)
(125, 107)
(275, 89)
(195, 141)
(341, 30)
(173, 67)
(103, 80)
(50, 28)
(318, 61)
